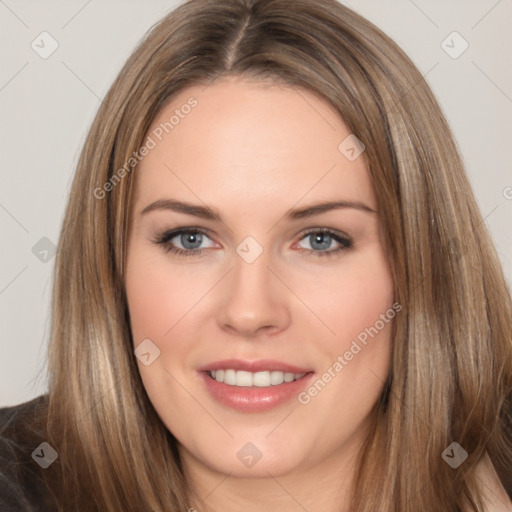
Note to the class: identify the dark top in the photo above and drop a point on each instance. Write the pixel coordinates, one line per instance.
(22, 459)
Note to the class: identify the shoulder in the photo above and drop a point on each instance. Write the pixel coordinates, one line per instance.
(22, 430)
(30, 410)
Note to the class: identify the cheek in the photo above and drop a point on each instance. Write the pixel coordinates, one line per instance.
(357, 306)
(163, 302)
(158, 296)
(356, 360)
(351, 300)
(156, 304)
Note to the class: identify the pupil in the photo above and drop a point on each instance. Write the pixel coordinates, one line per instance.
(191, 238)
(318, 240)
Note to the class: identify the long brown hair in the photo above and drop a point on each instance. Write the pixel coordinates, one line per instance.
(451, 374)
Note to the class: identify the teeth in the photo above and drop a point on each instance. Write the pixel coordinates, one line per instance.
(258, 379)
(288, 377)
(276, 378)
(243, 378)
(261, 379)
(229, 377)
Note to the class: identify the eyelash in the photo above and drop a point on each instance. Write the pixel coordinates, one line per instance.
(164, 239)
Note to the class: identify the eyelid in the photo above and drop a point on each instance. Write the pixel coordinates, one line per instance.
(169, 234)
(331, 231)
(339, 237)
(344, 240)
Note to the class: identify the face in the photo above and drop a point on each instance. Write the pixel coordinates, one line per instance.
(261, 320)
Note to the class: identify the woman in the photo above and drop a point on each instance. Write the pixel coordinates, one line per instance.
(261, 296)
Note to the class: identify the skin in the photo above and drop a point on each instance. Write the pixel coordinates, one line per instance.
(252, 151)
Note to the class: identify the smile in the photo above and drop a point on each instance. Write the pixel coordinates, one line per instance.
(254, 386)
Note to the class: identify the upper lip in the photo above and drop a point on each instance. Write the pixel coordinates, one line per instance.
(253, 366)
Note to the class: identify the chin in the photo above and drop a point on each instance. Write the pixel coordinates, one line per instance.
(246, 458)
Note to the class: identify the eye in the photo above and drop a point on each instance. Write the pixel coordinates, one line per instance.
(320, 242)
(189, 239)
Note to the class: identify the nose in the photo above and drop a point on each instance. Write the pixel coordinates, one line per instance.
(254, 300)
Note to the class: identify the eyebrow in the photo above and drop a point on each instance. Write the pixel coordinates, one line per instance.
(205, 212)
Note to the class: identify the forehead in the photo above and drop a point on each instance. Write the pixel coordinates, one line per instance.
(258, 144)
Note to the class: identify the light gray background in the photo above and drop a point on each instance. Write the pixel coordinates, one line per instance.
(48, 104)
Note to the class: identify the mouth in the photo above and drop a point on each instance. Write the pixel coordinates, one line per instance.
(254, 386)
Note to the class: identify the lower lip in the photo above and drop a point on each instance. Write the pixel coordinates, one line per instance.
(254, 399)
